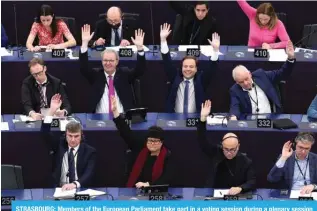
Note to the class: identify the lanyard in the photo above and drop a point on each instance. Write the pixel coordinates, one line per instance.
(301, 172)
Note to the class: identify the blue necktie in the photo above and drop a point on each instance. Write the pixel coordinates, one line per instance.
(186, 97)
(116, 37)
(71, 166)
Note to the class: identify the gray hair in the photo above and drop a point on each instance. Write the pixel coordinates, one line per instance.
(74, 126)
(237, 69)
(110, 51)
(305, 138)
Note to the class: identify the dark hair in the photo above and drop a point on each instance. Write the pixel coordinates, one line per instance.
(36, 61)
(266, 9)
(73, 127)
(156, 132)
(305, 137)
(202, 2)
(47, 10)
(190, 57)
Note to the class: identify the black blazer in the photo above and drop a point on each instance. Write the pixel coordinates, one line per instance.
(86, 157)
(103, 29)
(30, 95)
(182, 36)
(175, 77)
(123, 80)
(244, 172)
(136, 143)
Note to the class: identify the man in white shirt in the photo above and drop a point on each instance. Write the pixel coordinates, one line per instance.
(112, 80)
(255, 92)
(187, 91)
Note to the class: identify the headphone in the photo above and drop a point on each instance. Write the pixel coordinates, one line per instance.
(236, 137)
(74, 120)
(294, 143)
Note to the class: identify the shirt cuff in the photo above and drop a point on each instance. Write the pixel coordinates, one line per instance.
(83, 50)
(214, 56)
(280, 163)
(77, 184)
(164, 47)
(291, 61)
(141, 53)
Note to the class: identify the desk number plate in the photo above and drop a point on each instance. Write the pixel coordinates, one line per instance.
(58, 53)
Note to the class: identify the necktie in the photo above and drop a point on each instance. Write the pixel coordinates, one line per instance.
(42, 97)
(71, 166)
(110, 92)
(116, 37)
(186, 97)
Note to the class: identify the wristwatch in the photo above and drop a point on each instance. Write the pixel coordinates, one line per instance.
(315, 187)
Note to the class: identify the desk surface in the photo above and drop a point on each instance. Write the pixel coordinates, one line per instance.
(127, 193)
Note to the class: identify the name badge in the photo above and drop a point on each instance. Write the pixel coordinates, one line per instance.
(261, 53)
(193, 52)
(125, 52)
(58, 53)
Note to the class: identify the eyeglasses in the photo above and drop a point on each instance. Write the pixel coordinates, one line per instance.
(153, 141)
(37, 74)
(299, 148)
(110, 61)
(232, 150)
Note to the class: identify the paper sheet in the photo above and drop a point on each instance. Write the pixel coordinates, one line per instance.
(217, 120)
(220, 193)
(92, 192)
(26, 118)
(277, 55)
(133, 47)
(5, 52)
(208, 50)
(4, 126)
(64, 194)
(184, 47)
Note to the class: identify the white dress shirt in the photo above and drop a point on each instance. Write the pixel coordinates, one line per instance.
(179, 104)
(103, 105)
(259, 100)
(64, 178)
(113, 36)
(44, 94)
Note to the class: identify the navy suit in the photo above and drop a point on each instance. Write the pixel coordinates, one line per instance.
(267, 81)
(123, 80)
(175, 77)
(285, 174)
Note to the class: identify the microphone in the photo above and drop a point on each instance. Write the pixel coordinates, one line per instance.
(312, 32)
(152, 23)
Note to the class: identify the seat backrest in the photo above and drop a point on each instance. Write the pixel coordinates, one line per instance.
(311, 40)
(11, 177)
(280, 89)
(136, 87)
(283, 17)
(125, 16)
(176, 29)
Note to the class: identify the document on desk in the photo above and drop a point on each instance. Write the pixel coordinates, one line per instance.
(133, 47)
(296, 193)
(217, 120)
(4, 126)
(5, 52)
(59, 193)
(91, 192)
(277, 55)
(220, 193)
(185, 47)
(208, 50)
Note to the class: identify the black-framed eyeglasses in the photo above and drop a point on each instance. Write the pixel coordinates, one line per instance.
(153, 141)
(231, 150)
(37, 74)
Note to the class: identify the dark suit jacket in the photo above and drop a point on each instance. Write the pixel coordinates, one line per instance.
(136, 143)
(285, 175)
(244, 172)
(104, 30)
(123, 81)
(187, 12)
(175, 77)
(30, 94)
(267, 81)
(86, 157)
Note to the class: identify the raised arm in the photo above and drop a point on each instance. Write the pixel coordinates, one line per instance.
(83, 56)
(282, 35)
(207, 148)
(141, 64)
(126, 133)
(286, 70)
(247, 9)
(312, 110)
(213, 64)
(169, 69)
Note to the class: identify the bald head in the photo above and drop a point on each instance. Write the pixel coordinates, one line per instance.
(230, 145)
(114, 14)
(242, 76)
(230, 139)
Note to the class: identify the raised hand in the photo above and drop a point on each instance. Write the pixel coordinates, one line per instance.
(139, 39)
(114, 107)
(85, 35)
(287, 150)
(165, 31)
(215, 43)
(205, 109)
(56, 102)
(290, 50)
